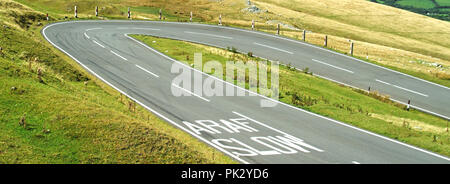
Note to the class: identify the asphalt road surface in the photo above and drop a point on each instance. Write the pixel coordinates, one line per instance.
(238, 125)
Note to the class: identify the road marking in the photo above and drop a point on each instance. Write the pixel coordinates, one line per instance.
(93, 29)
(98, 44)
(259, 123)
(147, 71)
(206, 34)
(355, 162)
(119, 56)
(349, 71)
(401, 88)
(190, 92)
(86, 35)
(274, 129)
(146, 28)
(203, 139)
(293, 107)
(274, 48)
(140, 103)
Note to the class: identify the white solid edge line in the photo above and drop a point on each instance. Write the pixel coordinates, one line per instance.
(145, 70)
(215, 146)
(142, 104)
(190, 92)
(269, 35)
(98, 44)
(415, 107)
(86, 35)
(355, 162)
(405, 89)
(343, 69)
(206, 34)
(274, 48)
(398, 101)
(305, 111)
(119, 55)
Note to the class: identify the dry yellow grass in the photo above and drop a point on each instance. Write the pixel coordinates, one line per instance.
(386, 35)
(409, 123)
(389, 36)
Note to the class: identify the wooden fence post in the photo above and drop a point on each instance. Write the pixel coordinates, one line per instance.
(278, 29)
(304, 35)
(351, 48)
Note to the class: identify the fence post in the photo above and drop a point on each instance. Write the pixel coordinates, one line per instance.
(76, 12)
(351, 48)
(304, 35)
(278, 29)
(253, 24)
(325, 41)
(407, 106)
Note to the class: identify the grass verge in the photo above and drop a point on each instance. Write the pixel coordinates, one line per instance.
(53, 111)
(372, 112)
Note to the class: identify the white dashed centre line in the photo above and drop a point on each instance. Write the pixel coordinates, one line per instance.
(206, 34)
(343, 69)
(145, 70)
(190, 92)
(119, 56)
(93, 29)
(98, 44)
(415, 92)
(274, 48)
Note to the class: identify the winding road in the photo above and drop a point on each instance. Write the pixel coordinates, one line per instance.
(237, 125)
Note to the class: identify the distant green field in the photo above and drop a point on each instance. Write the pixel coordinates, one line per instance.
(434, 8)
(443, 2)
(417, 3)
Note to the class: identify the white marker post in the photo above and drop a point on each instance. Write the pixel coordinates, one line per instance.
(407, 106)
(190, 18)
(325, 41)
(160, 14)
(220, 19)
(46, 17)
(129, 13)
(96, 11)
(253, 24)
(76, 12)
(304, 35)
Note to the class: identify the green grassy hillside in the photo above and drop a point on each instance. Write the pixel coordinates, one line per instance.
(395, 38)
(54, 112)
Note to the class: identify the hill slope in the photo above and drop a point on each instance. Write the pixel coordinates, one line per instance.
(54, 112)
